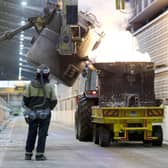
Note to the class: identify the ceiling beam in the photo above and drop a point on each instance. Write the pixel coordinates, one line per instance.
(28, 70)
(10, 16)
(37, 9)
(28, 67)
(9, 23)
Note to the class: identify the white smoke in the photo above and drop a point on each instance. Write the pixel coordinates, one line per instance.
(118, 44)
(106, 13)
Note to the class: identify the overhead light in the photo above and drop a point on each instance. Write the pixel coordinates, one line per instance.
(20, 78)
(22, 23)
(21, 46)
(23, 60)
(20, 73)
(23, 3)
(20, 64)
(20, 53)
(20, 59)
(22, 36)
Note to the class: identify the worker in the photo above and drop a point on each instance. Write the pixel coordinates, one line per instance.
(39, 99)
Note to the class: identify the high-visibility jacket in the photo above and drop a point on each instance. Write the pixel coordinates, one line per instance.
(34, 96)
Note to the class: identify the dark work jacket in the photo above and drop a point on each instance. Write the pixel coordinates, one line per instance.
(33, 96)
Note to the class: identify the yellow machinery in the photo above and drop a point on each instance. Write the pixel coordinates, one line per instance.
(65, 37)
(118, 104)
(120, 121)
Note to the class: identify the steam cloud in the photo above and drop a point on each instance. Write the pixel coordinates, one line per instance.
(118, 44)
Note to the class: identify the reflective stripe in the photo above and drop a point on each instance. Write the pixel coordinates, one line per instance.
(29, 153)
(31, 91)
(39, 91)
(39, 153)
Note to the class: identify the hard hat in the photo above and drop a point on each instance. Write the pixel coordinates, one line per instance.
(43, 69)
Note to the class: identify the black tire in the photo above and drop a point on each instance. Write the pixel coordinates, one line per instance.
(104, 136)
(157, 132)
(95, 134)
(83, 120)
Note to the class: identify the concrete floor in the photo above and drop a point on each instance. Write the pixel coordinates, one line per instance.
(63, 150)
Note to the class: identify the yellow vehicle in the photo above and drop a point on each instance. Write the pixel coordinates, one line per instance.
(127, 123)
(65, 37)
(123, 106)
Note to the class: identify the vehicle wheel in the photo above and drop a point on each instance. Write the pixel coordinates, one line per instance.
(157, 132)
(104, 136)
(95, 134)
(83, 120)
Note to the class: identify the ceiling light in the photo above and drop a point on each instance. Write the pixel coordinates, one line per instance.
(22, 23)
(20, 53)
(23, 3)
(21, 46)
(20, 64)
(20, 59)
(21, 39)
(22, 36)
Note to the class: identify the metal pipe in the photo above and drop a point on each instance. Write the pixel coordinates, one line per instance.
(9, 34)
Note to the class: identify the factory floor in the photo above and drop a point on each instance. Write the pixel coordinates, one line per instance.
(64, 151)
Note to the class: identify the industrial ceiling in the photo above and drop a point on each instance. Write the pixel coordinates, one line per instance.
(13, 14)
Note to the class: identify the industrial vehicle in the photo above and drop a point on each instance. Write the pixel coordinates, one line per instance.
(119, 104)
(122, 105)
